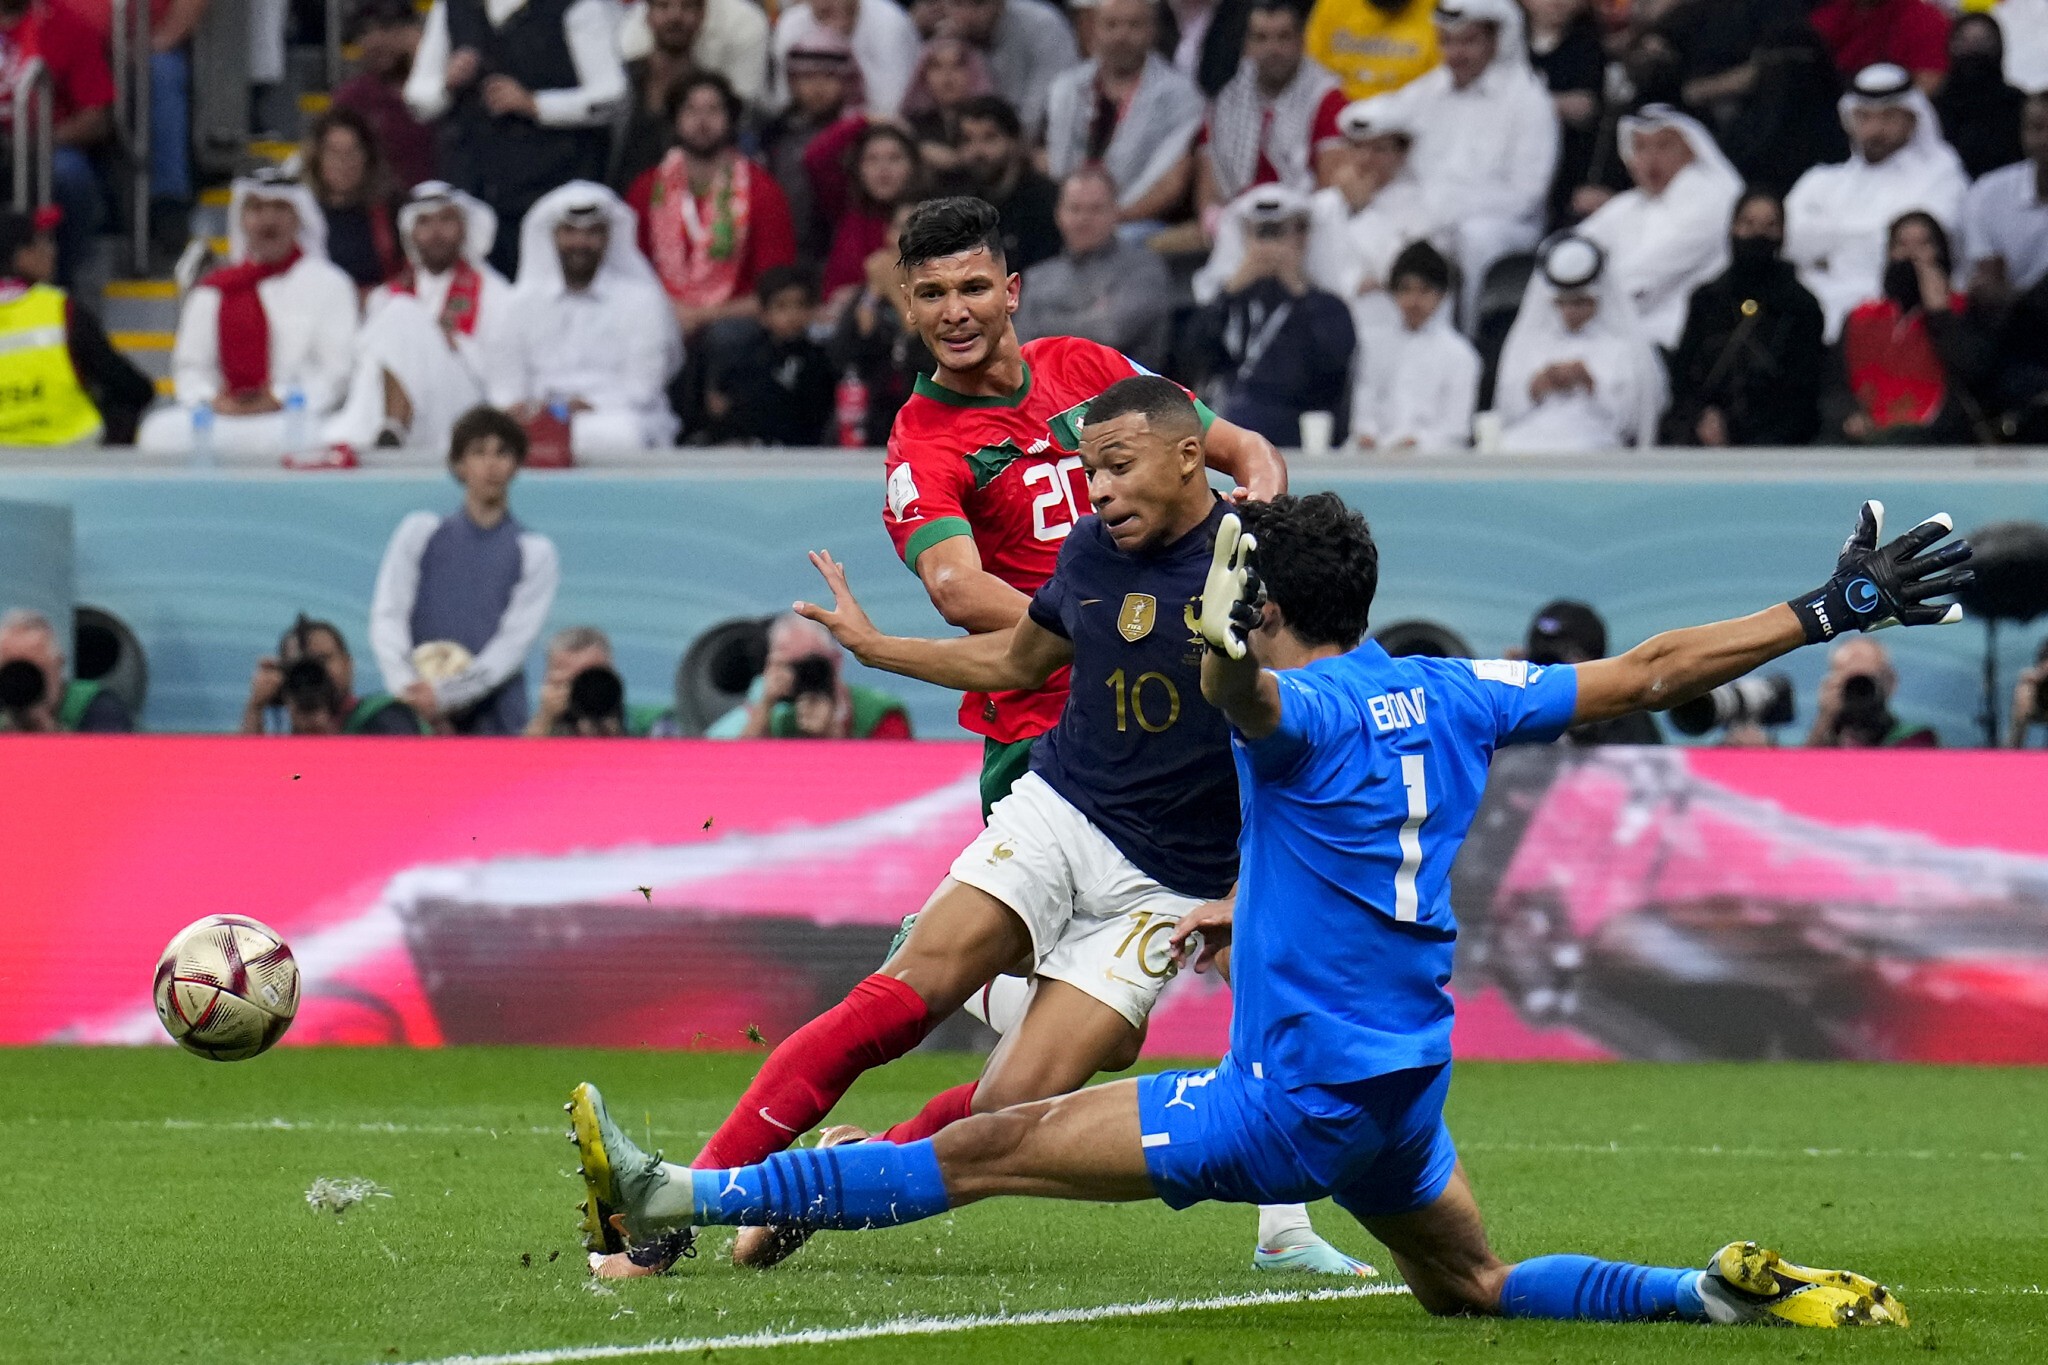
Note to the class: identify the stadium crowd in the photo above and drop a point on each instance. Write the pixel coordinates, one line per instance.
(1530, 225)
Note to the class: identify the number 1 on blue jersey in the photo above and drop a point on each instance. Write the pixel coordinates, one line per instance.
(1416, 780)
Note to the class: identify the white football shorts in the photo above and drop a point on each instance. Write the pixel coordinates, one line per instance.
(1096, 921)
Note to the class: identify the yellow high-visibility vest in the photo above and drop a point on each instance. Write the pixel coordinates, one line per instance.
(41, 400)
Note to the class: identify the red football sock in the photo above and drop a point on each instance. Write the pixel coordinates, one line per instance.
(948, 1106)
(879, 1021)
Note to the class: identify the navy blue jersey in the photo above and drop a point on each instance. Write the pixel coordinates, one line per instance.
(1354, 810)
(1137, 750)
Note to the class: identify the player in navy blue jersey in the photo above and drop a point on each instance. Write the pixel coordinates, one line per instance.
(1359, 777)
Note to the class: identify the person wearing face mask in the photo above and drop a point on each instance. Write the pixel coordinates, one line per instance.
(1980, 112)
(1910, 356)
(1748, 367)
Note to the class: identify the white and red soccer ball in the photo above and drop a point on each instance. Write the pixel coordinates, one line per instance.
(227, 987)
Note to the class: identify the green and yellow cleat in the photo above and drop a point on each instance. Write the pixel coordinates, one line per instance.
(1749, 1283)
(618, 1178)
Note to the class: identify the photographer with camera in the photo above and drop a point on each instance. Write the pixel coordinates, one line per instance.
(2029, 699)
(800, 694)
(1568, 632)
(1852, 709)
(582, 694)
(35, 696)
(308, 688)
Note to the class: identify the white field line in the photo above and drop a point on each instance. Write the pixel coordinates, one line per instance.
(915, 1327)
(374, 1128)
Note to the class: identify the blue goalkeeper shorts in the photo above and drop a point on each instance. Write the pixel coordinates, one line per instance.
(1377, 1146)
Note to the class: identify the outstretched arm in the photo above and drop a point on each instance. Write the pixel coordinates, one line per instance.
(1247, 457)
(1021, 656)
(1232, 607)
(1873, 587)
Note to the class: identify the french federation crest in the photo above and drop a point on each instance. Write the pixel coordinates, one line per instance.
(1134, 620)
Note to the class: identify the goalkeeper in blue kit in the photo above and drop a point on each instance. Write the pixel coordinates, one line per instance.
(1359, 776)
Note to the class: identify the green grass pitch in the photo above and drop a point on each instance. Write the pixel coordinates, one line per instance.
(155, 1212)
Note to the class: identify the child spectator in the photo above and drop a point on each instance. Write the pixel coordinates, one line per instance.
(779, 390)
(1417, 387)
(477, 584)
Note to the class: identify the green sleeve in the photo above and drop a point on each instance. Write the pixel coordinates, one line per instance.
(930, 534)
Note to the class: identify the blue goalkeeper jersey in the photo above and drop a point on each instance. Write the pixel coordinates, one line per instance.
(1354, 810)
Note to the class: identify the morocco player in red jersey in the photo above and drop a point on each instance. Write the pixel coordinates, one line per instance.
(984, 475)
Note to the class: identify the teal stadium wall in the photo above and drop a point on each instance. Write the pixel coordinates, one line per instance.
(208, 568)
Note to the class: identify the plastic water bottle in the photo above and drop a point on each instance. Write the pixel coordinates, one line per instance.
(850, 409)
(296, 434)
(203, 455)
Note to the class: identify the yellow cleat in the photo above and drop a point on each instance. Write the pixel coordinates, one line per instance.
(1749, 1283)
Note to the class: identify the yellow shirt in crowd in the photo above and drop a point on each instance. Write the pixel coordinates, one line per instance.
(1371, 50)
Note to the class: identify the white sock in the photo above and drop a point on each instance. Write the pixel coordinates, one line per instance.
(1000, 1004)
(1284, 1225)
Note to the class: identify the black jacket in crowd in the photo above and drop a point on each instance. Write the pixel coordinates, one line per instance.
(1752, 348)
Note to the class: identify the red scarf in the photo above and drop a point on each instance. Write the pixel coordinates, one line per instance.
(465, 292)
(244, 328)
(700, 244)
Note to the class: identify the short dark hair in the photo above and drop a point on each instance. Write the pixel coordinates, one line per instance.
(1161, 402)
(1424, 262)
(991, 109)
(368, 14)
(306, 626)
(1319, 564)
(946, 227)
(680, 90)
(481, 422)
(777, 278)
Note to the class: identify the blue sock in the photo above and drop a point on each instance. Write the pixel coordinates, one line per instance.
(859, 1185)
(1600, 1291)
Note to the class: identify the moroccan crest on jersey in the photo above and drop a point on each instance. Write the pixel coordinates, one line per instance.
(1066, 426)
(1134, 619)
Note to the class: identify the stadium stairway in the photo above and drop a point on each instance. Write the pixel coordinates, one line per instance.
(141, 315)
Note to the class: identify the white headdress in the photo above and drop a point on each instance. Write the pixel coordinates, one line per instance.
(272, 185)
(1512, 51)
(1571, 264)
(480, 220)
(1886, 86)
(540, 267)
(1706, 153)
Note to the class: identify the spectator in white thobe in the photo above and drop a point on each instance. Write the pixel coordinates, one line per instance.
(433, 336)
(1838, 218)
(885, 45)
(1577, 374)
(1669, 235)
(592, 330)
(1418, 383)
(1028, 43)
(1486, 138)
(265, 343)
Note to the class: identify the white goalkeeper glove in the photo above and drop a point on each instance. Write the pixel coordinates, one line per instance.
(1233, 595)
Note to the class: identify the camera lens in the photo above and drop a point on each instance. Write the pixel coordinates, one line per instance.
(812, 674)
(21, 685)
(596, 693)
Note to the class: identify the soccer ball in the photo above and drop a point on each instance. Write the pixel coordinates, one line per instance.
(227, 987)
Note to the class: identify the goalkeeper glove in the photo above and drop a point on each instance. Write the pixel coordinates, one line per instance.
(1232, 596)
(1875, 586)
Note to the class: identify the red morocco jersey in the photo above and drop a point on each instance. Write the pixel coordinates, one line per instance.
(1002, 470)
